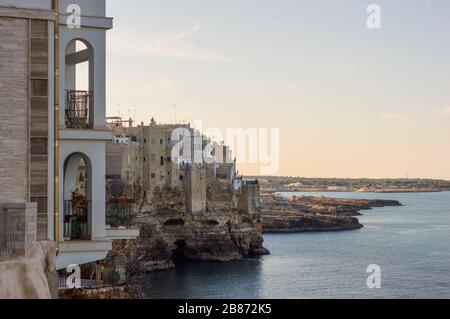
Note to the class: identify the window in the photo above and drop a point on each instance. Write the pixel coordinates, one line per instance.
(145, 140)
(145, 159)
(162, 160)
(161, 141)
(153, 176)
(153, 157)
(153, 141)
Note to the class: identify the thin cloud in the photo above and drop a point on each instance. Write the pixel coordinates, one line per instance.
(399, 118)
(446, 110)
(170, 46)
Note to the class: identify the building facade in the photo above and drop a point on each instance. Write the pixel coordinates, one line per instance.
(53, 126)
(156, 164)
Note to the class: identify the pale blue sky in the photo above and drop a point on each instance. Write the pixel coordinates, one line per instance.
(350, 102)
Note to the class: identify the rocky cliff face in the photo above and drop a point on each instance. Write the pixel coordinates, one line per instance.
(309, 214)
(169, 233)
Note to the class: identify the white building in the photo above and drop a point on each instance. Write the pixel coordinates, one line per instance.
(78, 135)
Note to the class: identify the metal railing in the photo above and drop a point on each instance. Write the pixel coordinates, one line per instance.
(119, 213)
(76, 216)
(8, 226)
(78, 105)
(110, 272)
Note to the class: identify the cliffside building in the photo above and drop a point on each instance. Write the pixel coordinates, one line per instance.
(158, 167)
(52, 125)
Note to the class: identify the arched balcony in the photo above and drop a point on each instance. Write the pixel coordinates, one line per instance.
(79, 85)
(77, 197)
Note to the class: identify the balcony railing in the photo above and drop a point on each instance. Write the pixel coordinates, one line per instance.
(78, 105)
(111, 272)
(8, 225)
(76, 226)
(119, 213)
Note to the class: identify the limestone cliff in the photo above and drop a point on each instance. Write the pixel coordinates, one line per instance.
(27, 277)
(223, 232)
(310, 214)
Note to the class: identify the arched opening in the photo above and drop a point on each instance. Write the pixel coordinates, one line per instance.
(180, 253)
(77, 197)
(79, 82)
(174, 222)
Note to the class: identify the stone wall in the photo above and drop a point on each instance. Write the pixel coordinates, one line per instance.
(249, 199)
(14, 82)
(195, 188)
(24, 61)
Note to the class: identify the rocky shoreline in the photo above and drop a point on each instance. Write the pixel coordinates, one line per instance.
(314, 214)
(169, 233)
(226, 231)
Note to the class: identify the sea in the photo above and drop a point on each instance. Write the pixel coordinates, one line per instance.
(402, 252)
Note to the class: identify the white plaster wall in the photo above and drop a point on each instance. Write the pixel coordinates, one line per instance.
(95, 151)
(93, 8)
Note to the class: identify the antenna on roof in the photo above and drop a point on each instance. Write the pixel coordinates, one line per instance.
(175, 113)
(118, 110)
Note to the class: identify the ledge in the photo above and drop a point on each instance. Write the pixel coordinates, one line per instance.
(121, 233)
(95, 134)
(92, 22)
(17, 205)
(82, 252)
(13, 12)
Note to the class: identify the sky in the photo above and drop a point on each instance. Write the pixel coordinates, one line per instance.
(349, 101)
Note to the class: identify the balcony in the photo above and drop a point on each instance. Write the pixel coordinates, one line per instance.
(76, 226)
(110, 272)
(78, 104)
(8, 222)
(119, 217)
(17, 229)
(119, 213)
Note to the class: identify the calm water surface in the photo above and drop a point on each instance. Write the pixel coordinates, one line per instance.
(410, 243)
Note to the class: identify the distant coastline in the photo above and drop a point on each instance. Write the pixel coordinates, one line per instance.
(405, 191)
(276, 184)
(298, 214)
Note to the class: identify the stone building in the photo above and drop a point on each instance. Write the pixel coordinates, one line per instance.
(147, 152)
(123, 152)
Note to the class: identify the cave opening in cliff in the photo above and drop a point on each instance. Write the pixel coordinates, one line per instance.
(179, 254)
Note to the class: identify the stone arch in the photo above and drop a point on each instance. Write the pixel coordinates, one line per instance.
(77, 196)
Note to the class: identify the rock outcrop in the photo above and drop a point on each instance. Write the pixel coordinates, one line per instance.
(169, 233)
(26, 277)
(109, 293)
(310, 214)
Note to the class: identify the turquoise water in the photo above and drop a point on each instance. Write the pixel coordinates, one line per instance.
(411, 244)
